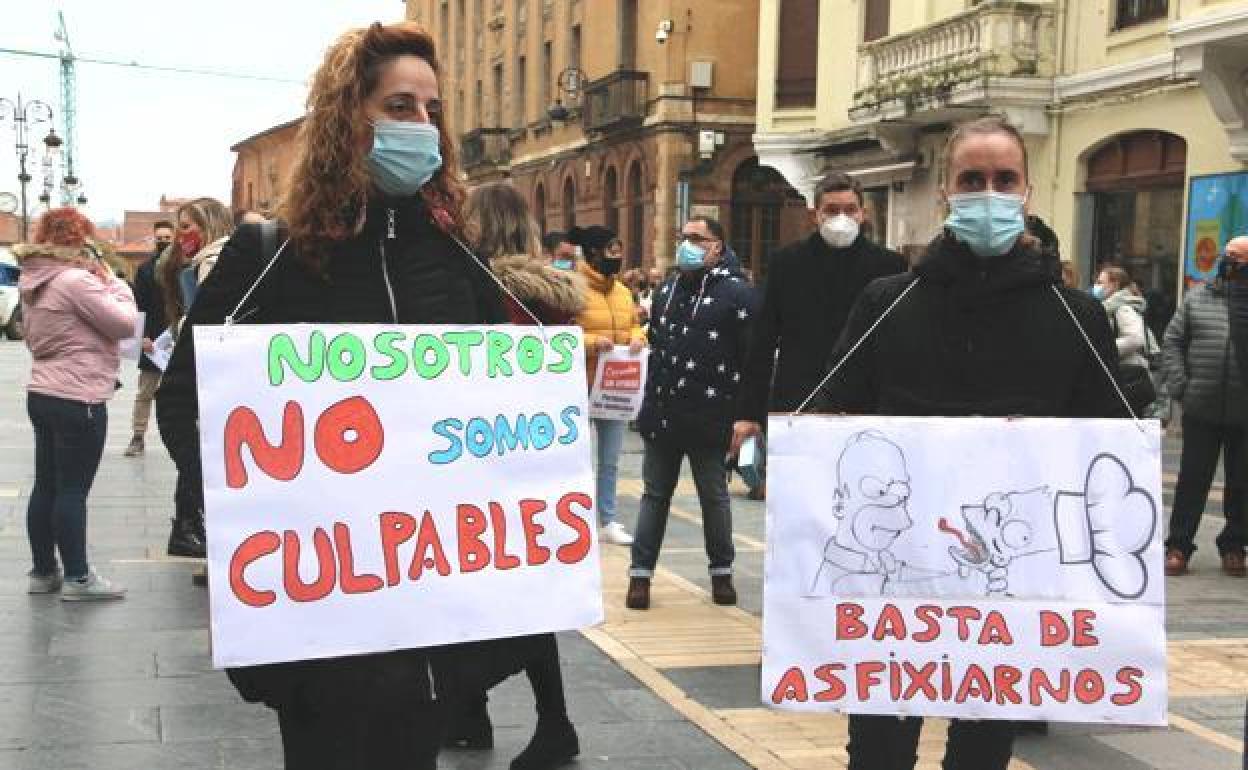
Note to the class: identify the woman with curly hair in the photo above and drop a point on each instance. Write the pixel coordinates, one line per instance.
(370, 232)
(76, 312)
(204, 225)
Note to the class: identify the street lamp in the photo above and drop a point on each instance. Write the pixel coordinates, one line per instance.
(24, 116)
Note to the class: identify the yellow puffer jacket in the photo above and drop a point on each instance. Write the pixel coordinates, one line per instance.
(609, 313)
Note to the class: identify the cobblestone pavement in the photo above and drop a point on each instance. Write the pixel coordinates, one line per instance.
(129, 684)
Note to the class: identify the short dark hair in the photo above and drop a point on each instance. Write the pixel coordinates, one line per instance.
(713, 225)
(551, 240)
(838, 181)
(163, 223)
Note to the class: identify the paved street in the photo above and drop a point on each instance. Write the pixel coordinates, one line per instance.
(129, 685)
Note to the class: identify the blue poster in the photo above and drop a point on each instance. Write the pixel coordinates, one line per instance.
(1217, 210)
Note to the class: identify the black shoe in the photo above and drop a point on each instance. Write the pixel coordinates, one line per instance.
(554, 744)
(472, 730)
(722, 591)
(186, 539)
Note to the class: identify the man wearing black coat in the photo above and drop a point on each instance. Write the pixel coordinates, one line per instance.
(698, 323)
(810, 288)
(148, 300)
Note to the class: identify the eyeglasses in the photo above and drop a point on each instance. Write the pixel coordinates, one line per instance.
(694, 238)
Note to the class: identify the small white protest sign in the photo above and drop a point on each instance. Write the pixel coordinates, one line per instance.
(974, 567)
(619, 385)
(372, 488)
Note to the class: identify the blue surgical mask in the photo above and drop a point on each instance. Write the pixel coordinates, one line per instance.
(404, 157)
(690, 257)
(1098, 291)
(563, 264)
(987, 222)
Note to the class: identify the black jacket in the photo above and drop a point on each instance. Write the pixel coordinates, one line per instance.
(698, 336)
(809, 290)
(433, 282)
(975, 337)
(148, 300)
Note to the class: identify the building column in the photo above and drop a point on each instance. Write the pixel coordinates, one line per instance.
(672, 155)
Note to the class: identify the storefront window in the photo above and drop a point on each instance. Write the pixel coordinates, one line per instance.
(875, 214)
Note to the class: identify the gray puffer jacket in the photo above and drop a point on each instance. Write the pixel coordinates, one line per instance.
(1199, 361)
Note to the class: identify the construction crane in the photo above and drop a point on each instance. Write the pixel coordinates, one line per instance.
(69, 93)
(69, 109)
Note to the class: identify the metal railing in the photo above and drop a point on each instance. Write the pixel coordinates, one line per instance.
(616, 101)
(485, 146)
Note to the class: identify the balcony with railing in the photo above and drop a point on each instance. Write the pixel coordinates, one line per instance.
(616, 101)
(956, 60)
(485, 147)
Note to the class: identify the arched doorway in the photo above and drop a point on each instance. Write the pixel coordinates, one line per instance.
(1135, 182)
(539, 207)
(569, 204)
(610, 202)
(635, 243)
(766, 213)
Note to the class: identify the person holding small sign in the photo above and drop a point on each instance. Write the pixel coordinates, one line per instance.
(372, 232)
(609, 319)
(698, 333)
(982, 326)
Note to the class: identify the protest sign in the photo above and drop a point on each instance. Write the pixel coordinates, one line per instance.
(162, 350)
(619, 385)
(130, 347)
(975, 568)
(372, 488)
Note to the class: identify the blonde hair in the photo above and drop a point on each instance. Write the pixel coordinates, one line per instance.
(329, 181)
(214, 222)
(989, 124)
(500, 221)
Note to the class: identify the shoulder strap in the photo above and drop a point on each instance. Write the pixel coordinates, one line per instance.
(268, 240)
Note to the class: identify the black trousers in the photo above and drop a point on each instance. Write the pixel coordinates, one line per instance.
(379, 738)
(1202, 443)
(889, 743)
(465, 673)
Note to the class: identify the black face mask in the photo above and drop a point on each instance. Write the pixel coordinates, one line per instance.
(607, 266)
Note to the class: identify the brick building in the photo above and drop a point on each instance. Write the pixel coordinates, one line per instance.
(619, 112)
(260, 169)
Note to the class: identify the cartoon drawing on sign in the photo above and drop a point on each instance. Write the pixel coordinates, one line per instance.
(1107, 525)
(1003, 528)
(872, 490)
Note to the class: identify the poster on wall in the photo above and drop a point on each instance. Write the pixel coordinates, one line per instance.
(1217, 211)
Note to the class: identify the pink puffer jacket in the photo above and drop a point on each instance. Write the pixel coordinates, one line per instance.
(73, 322)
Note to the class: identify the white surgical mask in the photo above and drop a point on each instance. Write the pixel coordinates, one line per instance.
(839, 231)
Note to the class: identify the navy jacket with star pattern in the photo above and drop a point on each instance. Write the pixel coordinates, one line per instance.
(699, 332)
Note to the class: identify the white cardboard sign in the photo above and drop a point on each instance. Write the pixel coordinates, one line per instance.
(977, 568)
(371, 488)
(619, 385)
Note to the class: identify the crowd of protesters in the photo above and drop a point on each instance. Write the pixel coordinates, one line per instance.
(387, 238)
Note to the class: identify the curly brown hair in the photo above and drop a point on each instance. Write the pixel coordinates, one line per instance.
(329, 182)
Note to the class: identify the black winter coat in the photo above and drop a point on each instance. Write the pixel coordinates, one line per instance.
(975, 337)
(698, 337)
(809, 290)
(148, 300)
(433, 282)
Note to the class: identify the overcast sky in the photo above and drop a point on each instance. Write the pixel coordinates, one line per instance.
(142, 133)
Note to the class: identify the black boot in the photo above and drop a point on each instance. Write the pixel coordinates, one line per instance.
(554, 744)
(471, 729)
(187, 539)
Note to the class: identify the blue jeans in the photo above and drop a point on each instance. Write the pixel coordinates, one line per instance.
(69, 442)
(660, 470)
(608, 439)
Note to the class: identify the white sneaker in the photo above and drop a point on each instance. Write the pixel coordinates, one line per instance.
(90, 588)
(615, 534)
(45, 584)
